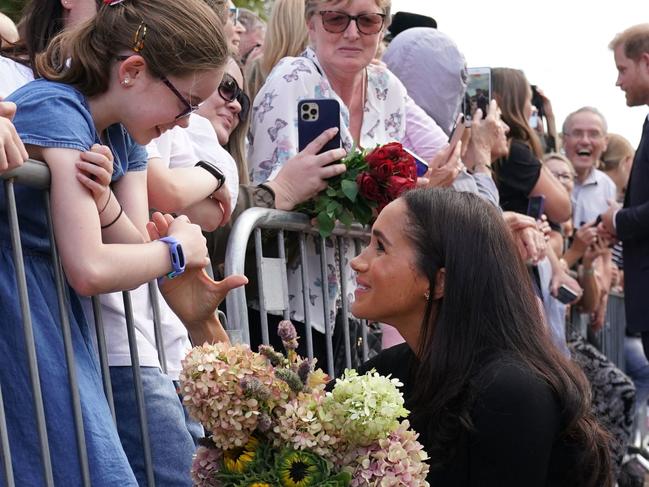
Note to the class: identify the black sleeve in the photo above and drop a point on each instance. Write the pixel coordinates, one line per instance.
(516, 419)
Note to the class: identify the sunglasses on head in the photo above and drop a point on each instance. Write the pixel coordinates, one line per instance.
(230, 91)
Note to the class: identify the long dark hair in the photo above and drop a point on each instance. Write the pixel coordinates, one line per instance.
(510, 88)
(488, 308)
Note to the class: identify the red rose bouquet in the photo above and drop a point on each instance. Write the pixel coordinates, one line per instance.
(372, 180)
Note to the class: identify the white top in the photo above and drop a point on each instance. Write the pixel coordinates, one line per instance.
(590, 198)
(180, 147)
(13, 75)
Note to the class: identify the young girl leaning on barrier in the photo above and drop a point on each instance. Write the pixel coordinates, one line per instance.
(121, 79)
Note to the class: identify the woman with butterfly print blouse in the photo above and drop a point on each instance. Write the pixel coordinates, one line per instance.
(374, 110)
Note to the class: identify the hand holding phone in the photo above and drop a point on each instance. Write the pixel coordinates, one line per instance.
(457, 132)
(422, 165)
(478, 92)
(566, 295)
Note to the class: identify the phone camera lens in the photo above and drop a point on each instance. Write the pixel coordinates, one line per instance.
(305, 107)
(313, 111)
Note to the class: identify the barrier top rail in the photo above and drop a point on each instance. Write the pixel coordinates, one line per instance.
(267, 219)
(34, 174)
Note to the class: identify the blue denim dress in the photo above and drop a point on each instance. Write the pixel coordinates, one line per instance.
(54, 115)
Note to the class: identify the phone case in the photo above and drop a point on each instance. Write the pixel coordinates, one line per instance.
(314, 116)
(566, 295)
(535, 207)
(478, 91)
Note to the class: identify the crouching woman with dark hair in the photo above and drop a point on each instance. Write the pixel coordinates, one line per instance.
(495, 403)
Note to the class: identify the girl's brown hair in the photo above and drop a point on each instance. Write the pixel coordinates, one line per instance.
(510, 89)
(176, 38)
(236, 144)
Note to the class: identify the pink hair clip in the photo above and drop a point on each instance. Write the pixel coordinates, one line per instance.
(112, 3)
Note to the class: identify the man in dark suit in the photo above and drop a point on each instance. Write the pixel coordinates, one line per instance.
(630, 224)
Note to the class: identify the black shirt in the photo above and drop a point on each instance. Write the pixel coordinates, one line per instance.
(516, 176)
(516, 423)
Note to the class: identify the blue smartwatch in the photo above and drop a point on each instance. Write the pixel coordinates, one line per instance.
(177, 256)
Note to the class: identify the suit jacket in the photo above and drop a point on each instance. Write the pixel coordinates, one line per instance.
(632, 224)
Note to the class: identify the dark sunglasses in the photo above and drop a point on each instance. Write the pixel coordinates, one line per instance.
(189, 106)
(230, 91)
(337, 22)
(233, 12)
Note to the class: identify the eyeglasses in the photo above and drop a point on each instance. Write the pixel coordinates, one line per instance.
(591, 134)
(563, 176)
(337, 22)
(234, 14)
(229, 90)
(190, 107)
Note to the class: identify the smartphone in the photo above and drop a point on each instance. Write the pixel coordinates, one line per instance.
(537, 101)
(457, 131)
(535, 207)
(566, 295)
(422, 166)
(478, 92)
(314, 116)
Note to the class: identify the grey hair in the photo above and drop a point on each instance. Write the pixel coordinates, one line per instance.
(593, 110)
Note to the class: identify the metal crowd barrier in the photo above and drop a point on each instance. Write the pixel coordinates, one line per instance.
(36, 175)
(297, 227)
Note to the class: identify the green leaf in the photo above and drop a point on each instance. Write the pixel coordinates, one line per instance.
(346, 217)
(363, 213)
(325, 224)
(350, 189)
(331, 191)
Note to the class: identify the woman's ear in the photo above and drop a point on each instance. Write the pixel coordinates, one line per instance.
(440, 279)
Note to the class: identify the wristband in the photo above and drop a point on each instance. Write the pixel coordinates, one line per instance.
(214, 171)
(110, 193)
(121, 210)
(177, 256)
(264, 196)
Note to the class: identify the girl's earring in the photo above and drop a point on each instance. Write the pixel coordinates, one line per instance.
(126, 81)
(427, 295)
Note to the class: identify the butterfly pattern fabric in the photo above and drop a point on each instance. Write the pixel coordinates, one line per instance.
(273, 129)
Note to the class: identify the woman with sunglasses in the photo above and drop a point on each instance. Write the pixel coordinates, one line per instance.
(375, 109)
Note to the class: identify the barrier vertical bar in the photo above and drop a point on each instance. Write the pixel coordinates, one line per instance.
(325, 307)
(281, 252)
(366, 350)
(305, 296)
(28, 331)
(5, 451)
(69, 352)
(103, 355)
(139, 389)
(157, 326)
(345, 303)
(262, 299)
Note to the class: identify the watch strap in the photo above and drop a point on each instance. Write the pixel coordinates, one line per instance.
(214, 171)
(177, 256)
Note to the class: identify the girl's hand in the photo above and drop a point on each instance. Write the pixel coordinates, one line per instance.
(223, 198)
(12, 150)
(188, 234)
(95, 170)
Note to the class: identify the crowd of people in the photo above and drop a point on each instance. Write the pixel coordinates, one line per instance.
(162, 122)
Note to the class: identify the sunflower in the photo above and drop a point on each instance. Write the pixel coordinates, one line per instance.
(300, 468)
(237, 460)
(259, 484)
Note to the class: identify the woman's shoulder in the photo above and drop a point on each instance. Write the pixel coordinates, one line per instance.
(392, 360)
(508, 384)
(521, 151)
(380, 78)
(44, 93)
(13, 75)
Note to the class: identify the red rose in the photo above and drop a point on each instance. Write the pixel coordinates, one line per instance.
(369, 188)
(397, 185)
(394, 151)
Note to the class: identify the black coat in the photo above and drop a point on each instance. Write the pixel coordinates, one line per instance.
(632, 224)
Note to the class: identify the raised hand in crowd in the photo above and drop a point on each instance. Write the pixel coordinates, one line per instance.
(194, 296)
(606, 227)
(12, 150)
(304, 175)
(530, 239)
(488, 139)
(444, 168)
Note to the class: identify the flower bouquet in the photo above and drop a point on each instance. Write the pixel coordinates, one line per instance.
(372, 180)
(271, 423)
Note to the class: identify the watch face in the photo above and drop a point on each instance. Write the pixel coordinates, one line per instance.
(181, 256)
